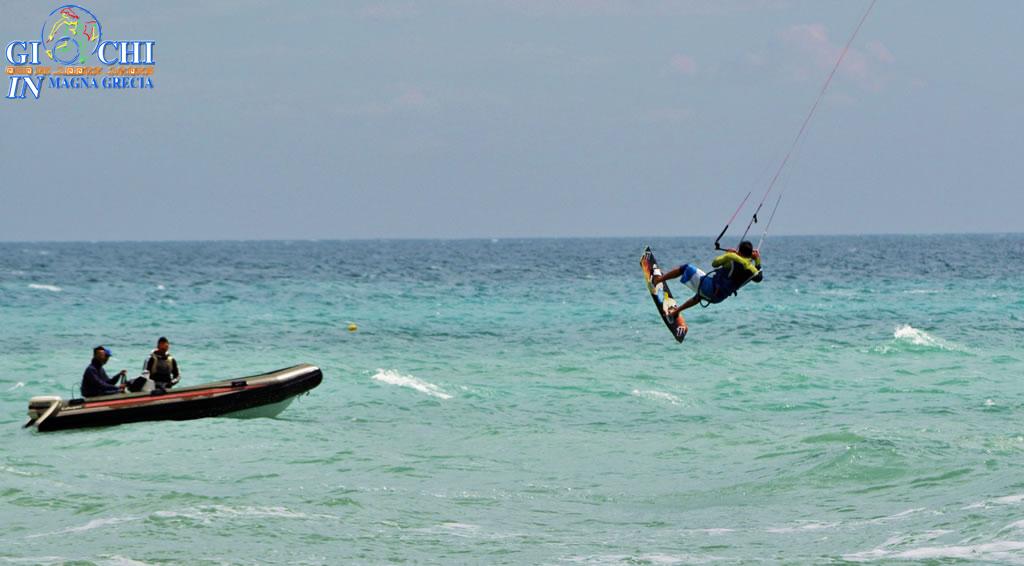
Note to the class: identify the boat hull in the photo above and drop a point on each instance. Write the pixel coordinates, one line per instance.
(271, 392)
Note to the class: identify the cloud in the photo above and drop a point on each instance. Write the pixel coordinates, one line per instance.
(390, 10)
(755, 59)
(683, 64)
(813, 44)
(880, 52)
(411, 100)
(630, 7)
(666, 115)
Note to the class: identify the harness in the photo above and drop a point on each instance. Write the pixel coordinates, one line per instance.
(704, 301)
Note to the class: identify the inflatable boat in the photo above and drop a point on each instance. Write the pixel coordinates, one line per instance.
(263, 395)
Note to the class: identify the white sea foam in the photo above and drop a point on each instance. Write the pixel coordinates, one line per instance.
(802, 528)
(18, 385)
(1014, 526)
(1004, 551)
(392, 377)
(657, 396)
(908, 334)
(15, 471)
(35, 560)
(671, 558)
(250, 511)
(43, 287)
(117, 560)
(899, 515)
(209, 514)
(1005, 500)
(917, 337)
(93, 524)
(460, 526)
(713, 531)
(839, 292)
(464, 530)
(642, 559)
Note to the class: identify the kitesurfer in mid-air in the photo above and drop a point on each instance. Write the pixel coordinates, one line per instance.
(733, 269)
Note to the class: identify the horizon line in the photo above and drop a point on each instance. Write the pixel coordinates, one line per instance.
(499, 238)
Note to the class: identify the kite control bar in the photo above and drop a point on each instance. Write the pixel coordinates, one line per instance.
(733, 217)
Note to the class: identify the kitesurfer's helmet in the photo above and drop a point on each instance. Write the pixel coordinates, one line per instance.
(746, 249)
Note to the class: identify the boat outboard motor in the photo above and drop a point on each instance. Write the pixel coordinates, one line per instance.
(41, 407)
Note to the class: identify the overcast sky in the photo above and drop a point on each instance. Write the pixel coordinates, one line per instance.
(504, 118)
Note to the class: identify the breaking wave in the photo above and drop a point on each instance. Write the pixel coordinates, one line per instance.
(906, 337)
(657, 396)
(392, 377)
(907, 333)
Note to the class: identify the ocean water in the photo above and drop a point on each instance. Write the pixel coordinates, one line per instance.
(519, 401)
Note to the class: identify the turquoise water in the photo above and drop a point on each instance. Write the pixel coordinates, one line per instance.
(519, 401)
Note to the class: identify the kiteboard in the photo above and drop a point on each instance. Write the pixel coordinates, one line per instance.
(662, 296)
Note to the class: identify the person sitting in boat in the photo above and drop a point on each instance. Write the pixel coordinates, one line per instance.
(733, 269)
(161, 365)
(95, 381)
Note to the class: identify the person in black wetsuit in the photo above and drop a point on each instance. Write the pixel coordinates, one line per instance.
(95, 381)
(162, 367)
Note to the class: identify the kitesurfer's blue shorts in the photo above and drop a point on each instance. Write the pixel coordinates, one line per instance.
(699, 282)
